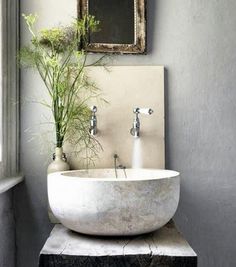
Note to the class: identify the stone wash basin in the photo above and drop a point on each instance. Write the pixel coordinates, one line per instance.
(95, 202)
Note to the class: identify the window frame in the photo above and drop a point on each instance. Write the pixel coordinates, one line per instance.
(9, 165)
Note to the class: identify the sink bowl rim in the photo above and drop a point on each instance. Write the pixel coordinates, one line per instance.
(74, 175)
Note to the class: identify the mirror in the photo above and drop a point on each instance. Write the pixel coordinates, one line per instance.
(122, 25)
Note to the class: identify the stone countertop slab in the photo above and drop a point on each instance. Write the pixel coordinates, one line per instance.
(163, 248)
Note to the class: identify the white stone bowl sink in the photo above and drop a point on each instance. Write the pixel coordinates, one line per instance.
(95, 202)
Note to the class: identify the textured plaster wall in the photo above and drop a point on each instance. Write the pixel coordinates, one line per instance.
(7, 231)
(196, 41)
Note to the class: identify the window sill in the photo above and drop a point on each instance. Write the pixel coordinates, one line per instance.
(8, 183)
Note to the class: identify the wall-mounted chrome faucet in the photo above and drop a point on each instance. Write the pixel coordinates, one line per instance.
(93, 121)
(135, 130)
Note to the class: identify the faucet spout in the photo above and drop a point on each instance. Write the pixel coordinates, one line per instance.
(135, 130)
(93, 121)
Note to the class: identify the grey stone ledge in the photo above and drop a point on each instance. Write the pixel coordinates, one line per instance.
(9, 182)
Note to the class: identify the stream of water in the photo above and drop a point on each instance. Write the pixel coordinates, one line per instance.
(137, 161)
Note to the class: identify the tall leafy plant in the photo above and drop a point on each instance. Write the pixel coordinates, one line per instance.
(60, 60)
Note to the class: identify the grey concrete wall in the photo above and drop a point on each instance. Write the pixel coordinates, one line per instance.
(7, 231)
(196, 41)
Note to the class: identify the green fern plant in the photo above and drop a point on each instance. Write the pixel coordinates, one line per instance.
(58, 56)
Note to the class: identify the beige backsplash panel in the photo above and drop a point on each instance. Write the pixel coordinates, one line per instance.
(127, 87)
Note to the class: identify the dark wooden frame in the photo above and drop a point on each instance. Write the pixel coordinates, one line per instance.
(138, 47)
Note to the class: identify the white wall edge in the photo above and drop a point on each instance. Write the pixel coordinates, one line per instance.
(8, 183)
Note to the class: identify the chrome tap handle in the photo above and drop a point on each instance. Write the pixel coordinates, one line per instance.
(94, 109)
(147, 111)
(135, 130)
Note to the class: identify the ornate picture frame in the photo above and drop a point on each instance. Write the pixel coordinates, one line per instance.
(138, 46)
